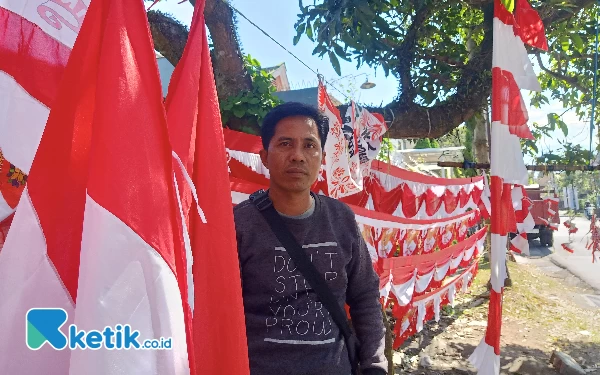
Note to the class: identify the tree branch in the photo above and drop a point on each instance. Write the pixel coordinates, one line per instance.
(411, 120)
(445, 59)
(406, 53)
(169, 35)
(551, 15)
(570, 80)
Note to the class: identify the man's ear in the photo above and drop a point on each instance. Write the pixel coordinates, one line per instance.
(263, 156)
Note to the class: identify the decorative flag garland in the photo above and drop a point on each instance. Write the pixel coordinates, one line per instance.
(387, 189)
(428, 306)
(511, 72)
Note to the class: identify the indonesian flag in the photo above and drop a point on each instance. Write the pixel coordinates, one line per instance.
(197, 137)
(339, 178)
(36, 37)
(96, 232)
(511, 72)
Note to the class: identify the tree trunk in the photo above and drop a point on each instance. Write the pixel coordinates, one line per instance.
(389, 343)
(481, 149)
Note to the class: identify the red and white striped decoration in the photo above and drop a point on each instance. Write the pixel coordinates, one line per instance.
(511, 72)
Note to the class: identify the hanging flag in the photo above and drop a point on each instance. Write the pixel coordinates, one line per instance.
(511, 72)
(96, 234)
(520, 244)
(339, 180)
(196, 133)
(36, 37)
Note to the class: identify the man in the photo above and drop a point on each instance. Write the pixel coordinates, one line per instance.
(289, 331)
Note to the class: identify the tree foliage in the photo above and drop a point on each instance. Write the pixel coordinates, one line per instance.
(251, 104)
(440, 52)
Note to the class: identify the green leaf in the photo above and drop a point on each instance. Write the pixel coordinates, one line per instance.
(309, 32)
(340, 52)
(578, 42)
(335, 63)
(297, 38)
(239, 112)
(509, 5)
(563, 126)
(565, 43)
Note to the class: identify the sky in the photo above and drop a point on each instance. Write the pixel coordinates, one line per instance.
(277, 17)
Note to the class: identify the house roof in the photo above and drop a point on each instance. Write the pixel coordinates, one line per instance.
(308, 96)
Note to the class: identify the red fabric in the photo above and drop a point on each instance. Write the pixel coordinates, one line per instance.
(530, 25)
(501, 13)
(219, 331)
(4, 227)
(433, 202)
(91, 131)
(451, 201)
(492, 335)
(10, 186)
(508, 106)
(33, 58)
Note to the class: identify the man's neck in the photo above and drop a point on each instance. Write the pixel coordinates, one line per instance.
(291, 204)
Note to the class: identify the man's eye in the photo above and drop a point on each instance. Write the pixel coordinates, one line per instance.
(286, 143)
(311, 145)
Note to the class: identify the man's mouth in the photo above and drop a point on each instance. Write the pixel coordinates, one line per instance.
(296, 171)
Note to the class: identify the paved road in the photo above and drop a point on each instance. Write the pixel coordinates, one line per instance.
(580, 262)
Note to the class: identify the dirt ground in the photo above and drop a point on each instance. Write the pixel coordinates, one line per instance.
(544, 310)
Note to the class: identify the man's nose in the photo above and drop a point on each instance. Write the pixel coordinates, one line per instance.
(298, 154)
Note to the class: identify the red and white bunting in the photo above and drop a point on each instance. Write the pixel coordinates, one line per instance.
(520, 244)
(428, 306)
(387, 189)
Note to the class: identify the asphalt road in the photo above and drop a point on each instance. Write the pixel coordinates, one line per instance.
(578, 263)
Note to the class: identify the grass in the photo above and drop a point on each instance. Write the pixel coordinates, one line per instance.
(541, 302)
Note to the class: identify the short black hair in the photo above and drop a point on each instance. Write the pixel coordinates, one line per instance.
(290, 109)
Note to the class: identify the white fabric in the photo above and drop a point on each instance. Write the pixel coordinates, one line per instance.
(455, 262)
(424, 281)
(517, 198)
(437, 301)
(485, 360)
(497, 262)
(188, 248)
(5, 209)
(466, 280)
(468, 254)
(451, 294)
(22, 122)
(527, 225)
(517, 61)
(421, 310)
(507, 157)
(404, 292)
(441, 271)
(28, 280)
(250, 160)
(387, 288)
(237, 197)
(521, 243)
(122, 279)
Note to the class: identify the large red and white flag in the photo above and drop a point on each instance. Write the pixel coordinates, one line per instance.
(36, 37)
(511, 72)
(96, 232)
(220, 344)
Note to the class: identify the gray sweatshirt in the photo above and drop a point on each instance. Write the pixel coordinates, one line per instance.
(289, 331)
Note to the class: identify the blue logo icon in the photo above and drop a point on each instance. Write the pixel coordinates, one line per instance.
(43, 326)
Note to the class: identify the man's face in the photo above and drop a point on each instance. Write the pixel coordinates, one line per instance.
(295, 155)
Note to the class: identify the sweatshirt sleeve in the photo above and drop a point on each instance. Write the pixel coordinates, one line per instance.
(362, 297)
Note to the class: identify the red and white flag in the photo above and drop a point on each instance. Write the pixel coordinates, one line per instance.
(511, 72)
(520, 244)
(36, 37)
(96, 232)
(219, 330)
